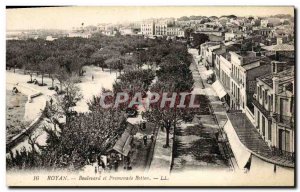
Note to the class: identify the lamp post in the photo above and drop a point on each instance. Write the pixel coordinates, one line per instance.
(168, 127)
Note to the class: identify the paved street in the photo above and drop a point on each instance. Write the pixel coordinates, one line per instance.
(196, 145)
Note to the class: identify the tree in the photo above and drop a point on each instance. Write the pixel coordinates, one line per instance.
(114, 63)
(62, 76)
(98, 59)
(164, 117)
(77, 64)
(198, 39)
(188, 32)
(48, 66)
(183, 18)
(65, 102)
(42, 71)
(31, 70)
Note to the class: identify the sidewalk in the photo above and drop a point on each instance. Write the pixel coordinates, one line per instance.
(162, 157)
(216, 106)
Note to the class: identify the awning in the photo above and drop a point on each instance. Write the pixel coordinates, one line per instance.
(241, 153)
(123, 145)
(135, 120)
(208, 72)
(258, 166)
(218, 87)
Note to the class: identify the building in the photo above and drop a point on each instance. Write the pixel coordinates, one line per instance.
(233, 35)
(264, 23)
(50, 38)
(263, 31)
(245, 68)
(250, 150)
(127, 31)
(206, 52)
(80, 34)
(160, 28)
(147, 28)
(175, 31)
(225, 74)
(274, 106)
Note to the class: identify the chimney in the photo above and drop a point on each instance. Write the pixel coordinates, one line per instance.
(275, 92)
(274, 67)
(275, 84)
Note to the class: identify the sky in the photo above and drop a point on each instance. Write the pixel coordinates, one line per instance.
(68, 17)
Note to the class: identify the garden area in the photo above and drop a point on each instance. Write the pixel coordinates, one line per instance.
(15, 110)
(95, 130)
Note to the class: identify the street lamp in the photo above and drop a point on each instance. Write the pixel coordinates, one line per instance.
(168, 127)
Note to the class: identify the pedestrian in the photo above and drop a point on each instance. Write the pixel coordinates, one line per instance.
(116, 165)
(51, 101)
(92, 77)
(152, 137)
(145, 140)
(95, 169)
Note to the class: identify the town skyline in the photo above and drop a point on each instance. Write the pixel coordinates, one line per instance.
(67, 18)
(174, 98)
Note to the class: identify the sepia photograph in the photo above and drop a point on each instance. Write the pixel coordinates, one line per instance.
(150, 96)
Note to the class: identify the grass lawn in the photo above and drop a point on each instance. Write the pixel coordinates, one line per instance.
(15, 109)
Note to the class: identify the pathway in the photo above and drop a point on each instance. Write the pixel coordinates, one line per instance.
(196, 145)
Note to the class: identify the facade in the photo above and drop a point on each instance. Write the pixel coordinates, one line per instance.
(264, 23)
(50, 38)
(264, 31)
(79, 34)
(175, 31)
(244, 71)
(274, 109)
(225, 74)
(216, 55)
(147, 28)
(127, 31)
(160, 29)
(206, 52)
(233, 35)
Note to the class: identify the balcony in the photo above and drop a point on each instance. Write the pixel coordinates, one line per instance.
(235, 78)
(284, 154)
(262, 109)
(284, 120)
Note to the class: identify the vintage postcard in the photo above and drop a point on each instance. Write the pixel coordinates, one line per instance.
(150, 96)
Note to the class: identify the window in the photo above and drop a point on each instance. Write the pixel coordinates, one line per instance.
(271, 102)
(269, 131)
(263, 126)
(258, 119)
(284, 106)
(260, 92)
(266, 97)
(292, 104)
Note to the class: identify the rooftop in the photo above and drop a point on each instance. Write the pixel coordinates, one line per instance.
(220, 50)
(280, 47)
(252, 140)
(285, 77)
(248, 57)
